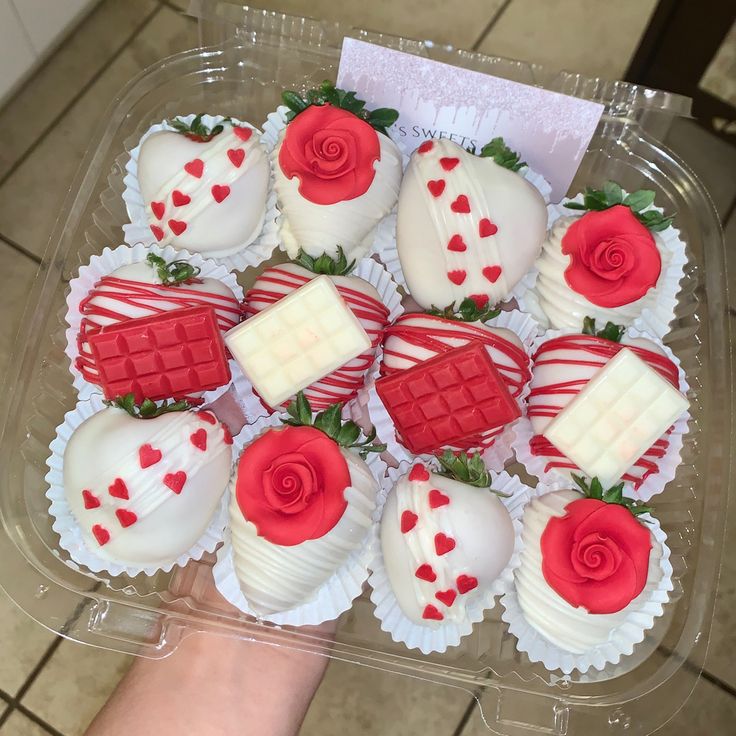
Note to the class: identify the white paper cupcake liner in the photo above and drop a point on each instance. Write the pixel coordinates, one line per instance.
(139, 231)
(337, 594)
(275, 123)
(110, 260)
(384, 243)
(497, 455)
(368, 270)
(640, 617)
(68, 529)
(439, 639)
(655, 318)
(654, 484)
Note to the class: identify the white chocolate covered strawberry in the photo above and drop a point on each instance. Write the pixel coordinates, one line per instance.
(337, 173)
(145, 289)
(444, 544)
(302, 504)
(342, 384)
(467, 226)
(144, 490)
(415, 338)
(204, 189)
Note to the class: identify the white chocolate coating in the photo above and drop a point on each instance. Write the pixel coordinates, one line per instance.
(213, 228)
(616, 417)
(426, 225)
(570, 628)
(474, 518)
(106, 447)
(564, 307)
(318, 228)
(298, 340)
(342, 384)
(277, 578)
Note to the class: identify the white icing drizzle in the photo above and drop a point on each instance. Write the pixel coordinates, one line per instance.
(573, 629)
(278, 578)
(564, 307)
(350, 224)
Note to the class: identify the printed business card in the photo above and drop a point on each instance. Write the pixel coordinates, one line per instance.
(551, 131)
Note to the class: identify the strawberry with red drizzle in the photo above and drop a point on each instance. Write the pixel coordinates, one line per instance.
(204, 187)
(141, 494)
(445, 539)
(468, 225)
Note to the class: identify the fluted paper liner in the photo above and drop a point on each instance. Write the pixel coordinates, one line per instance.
(103, 265)
(449, 634)
(535, 464)
(68, 529)
(138, 229)
(641, 613)
(654, 319)
(525, 327)
(368, 270)
(332, 598)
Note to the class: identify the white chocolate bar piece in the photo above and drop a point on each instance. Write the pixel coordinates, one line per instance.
(617, 416)
(297, 340)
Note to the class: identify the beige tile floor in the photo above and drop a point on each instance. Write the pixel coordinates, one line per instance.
(55, 687)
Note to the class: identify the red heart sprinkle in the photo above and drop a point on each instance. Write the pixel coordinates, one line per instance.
(457, 276)
(492, 273)
(437, 499)
(431, 612)
(236, 156)
(425, 572)
(207, 416)
(101, 534)
(426, 147)
(448, 164)
(195, 167)
(461, 205)
(175, 481)
(436, 187)
(443, 544)
(486, 228)
(481, 300)
(466, 583)
(408, 521)
(125, 517)
(179, 198)
(148, 455)
(220, 192)
(446, 596)
(244, 133)
(199, 439)
(177, 226)
(158, 209)
(118, 489)
(158, 233)
(418, 472)
(457, 244)
(90, 500)
(227, 436)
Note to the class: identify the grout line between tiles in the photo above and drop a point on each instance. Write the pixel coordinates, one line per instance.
(17, 246)
(730, 212)
(38, 720)
(489, 26)
(68, 107)
(168, 4)
(704, 673)
(472, 705)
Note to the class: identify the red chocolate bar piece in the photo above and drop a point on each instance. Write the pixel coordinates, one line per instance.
(169, 355)
(449, 398)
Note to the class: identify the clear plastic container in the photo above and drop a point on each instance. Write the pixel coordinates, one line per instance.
(256, 55)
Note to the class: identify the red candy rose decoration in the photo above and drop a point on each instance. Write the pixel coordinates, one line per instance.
(332, 153)
(596, 555)
(291, 484)
(613, 257)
